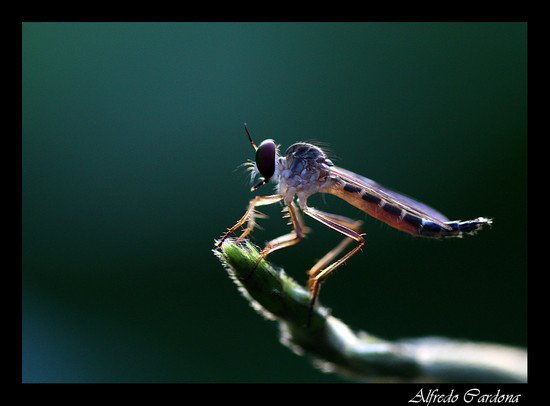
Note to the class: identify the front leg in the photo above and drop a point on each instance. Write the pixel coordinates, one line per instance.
(249, 216)
(284, 241)
(287, 240)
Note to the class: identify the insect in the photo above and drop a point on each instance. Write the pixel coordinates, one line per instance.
(304, 170)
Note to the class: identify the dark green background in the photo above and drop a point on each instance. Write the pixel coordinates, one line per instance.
(132, 134)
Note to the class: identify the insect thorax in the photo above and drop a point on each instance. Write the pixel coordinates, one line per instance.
(304, 170)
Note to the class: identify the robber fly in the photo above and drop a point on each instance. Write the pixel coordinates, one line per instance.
(304, 170)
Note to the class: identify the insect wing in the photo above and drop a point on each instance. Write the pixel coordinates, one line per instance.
(404, 202)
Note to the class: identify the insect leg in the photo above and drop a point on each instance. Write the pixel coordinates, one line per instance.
(287, 240)
(332, 254)
(320, 274)
(249, 216)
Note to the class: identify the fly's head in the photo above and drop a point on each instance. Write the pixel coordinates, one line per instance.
(266, 160)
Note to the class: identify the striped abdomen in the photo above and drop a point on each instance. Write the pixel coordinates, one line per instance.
(402, 219)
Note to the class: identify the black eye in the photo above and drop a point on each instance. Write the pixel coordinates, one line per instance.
(265, 158)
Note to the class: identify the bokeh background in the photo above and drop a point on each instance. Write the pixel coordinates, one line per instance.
(132, 137)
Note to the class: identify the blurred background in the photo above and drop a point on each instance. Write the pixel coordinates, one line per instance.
(132, 138)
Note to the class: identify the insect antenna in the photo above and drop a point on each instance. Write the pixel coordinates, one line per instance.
(250, 138)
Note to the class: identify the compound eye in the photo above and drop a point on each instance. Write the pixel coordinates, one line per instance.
(265, 158)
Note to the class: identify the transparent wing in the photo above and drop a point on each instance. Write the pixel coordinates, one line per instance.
(397, 199)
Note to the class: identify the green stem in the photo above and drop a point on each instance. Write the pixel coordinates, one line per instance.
(333, 346)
